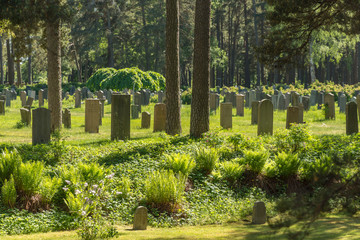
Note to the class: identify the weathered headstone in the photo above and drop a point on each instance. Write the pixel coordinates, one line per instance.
(214, 101)
(274, 100)
(67, 118)
(159, 117)
(25, 116)
(29, 101)
(287, 100)
(140, 218)
(240, 105)
(265, 117)
(281, 102)
(23, 98)
(120, 117)
(254, 112)
(2, 107)
(145, 120)
(100, 95)
(306, 103)
(102, 107)
(46, 93)
(134, 111)
(161, 97)
(41, 125)
(295, 99)
(41, 98)
(352, 125)
(342, 103)
(329, 102)
(301, 113)
(92, 115)
(247, 99)
(8, 98)
(78, 98)
(259, 213)
(292, 116)
(226, 115)
(252, 97)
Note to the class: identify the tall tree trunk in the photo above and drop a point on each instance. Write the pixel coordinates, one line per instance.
(54, 69)
(110, 40)
(11, 71)
(312, 65)
(18, 73)
(1, 61)
(246, 43)
(173, 106)
(258, 71)
(146, 40)
(199, 122)
(29, 65)
(355, 64)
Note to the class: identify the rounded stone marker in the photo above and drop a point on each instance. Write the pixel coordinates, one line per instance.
(259, 213)
(140, 218)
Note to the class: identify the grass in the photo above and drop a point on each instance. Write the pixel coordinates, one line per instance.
(332, 227)
(77, 136)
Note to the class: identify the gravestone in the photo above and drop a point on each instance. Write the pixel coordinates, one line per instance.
(140, 218)
(266, 96)
(120, 116)
(159, 117)
(214, 101)
(78, 98)
(265, 117)
(134, 111)
(329, 102)
(306, 103)
(41, 125)
(259, 213)
(240, 105)
(252, 97)
(2, 107)
(137, 100)
(292, 116)
(67, 118)
(102, 107)
(287, 100)
(145, 120)
(46, 93)
(247, 94)
(301, 113)
(84, 92)
(342, 103)
(274, 100)
(109, 96)
(161, 97)
(226, 115)
(29, 102)
(352, 125)
(25, 116)
(295, 99)
(358, 104)
(100, 95)
(320, 98)
(23, 98)
(8, 98)
(41, 98)
(258, 94)
(92, 115)
(254, 112)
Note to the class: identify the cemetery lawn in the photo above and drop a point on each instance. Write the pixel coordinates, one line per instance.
(11, 131)
(332, 227)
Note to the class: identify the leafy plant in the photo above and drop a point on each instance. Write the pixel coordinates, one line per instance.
(206, 159)
(100, 75)
(28, 178)
(179, 163)
(8, 193)
(164, 190)
(48, 188)
(285, 165)
(231, 171)
(9, 163)
(255, 160)
(319, 169)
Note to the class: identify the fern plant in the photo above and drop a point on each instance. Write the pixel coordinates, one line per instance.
(179, 163)
(206, 159)
(9, 163)
(8, 193)
(255, 160)
(28, 178)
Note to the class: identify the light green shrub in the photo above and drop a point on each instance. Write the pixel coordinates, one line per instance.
(318, 169)
(100, 75)
(179, 163)
(8, 193)
(28, 178)
(231, 171)
(206, 159)
(255, 160)
(285, 165)
(9, 163)
(48, 188)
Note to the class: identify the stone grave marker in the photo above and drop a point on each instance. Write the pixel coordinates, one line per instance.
(29, 102)
(265, 117)
(78, 98)
(240, 105)
(159, 117)
(259, 213)
(145, 120)
(25, 116)
(23, 98)
(226, 115)
(274, 100)
(329, 102)
(301, 112)
(295, 99)
(92, 115)
(120, 116)
(67, 118)
(254, 112)
(8, 98)
(292, 116)
(247, 94)
(41, 98)
(352, 125)
(140, 218)
(287, 100)
(342, 103)
(2, 107)
(306, 103)
(252, 97)
(41, 125)
(134, 111)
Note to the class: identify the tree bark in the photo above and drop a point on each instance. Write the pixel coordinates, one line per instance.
(54, 71)
(29, 65)
(11, 71)
(1, 62)
(246, 43)
(199, 122)
(109, 34)
(146, 40)
(173, 106)
(258, 71)
(18, 73)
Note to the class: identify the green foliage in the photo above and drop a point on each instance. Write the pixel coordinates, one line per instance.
(48, 188)
(284, 165)
(179, 163)
(206, 159)
(319, 169)
(186, 96)
(28, 178)
(100, 75)
(8, 193)
(212, 139)
(231, 171)
(159, 79)
(91, 172)
(296, 139)
(164, 190)
(9, 163)
(255, 160)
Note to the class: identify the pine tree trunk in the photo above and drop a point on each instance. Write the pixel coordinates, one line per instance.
(258, 72)
(54, 72)
(11, 70)
(18, 73)
(110, 40)
(246, 43)
(146, 40)
(1, 62)
(29, 66)
(199, 122)
(173, 106)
